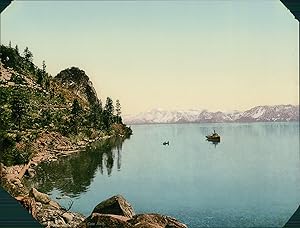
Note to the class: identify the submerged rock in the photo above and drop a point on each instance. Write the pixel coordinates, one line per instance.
(115, 205)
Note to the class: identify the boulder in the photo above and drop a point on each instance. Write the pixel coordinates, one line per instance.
(116, 212)
(115, 205)
(39, 196)
(68, 217)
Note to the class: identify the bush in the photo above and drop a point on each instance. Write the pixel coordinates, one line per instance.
(16, 78)
(13, 153)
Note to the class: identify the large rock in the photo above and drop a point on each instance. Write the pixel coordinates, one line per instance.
(39, 196)
(115, 205)
(116, 212)
(68, 217)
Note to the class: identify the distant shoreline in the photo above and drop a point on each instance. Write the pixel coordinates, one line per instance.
(240, 122)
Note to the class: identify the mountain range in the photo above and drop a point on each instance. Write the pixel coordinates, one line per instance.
(275, 113)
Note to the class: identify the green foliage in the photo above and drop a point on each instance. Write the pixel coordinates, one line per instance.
(73, 74)
(76, 108)
(91, 95)
(76, 119)
(40, 77)
(109, 106)
(44, 66)
(10, 57)
(17, 50)
(4, 111)
(26, 110)
(95, 116)
(18, 108)
(13, 151)
(46, 117)
(118, 118)
(7, 144)
(17, 78)
(28, 55)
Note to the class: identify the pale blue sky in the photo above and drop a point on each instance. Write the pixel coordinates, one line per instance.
(219, 55)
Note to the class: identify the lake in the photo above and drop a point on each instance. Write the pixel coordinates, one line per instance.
(251, 178)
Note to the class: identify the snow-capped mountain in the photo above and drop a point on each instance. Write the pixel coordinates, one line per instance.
(258, 113)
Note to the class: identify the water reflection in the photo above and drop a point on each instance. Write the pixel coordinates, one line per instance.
(215, 143)
(73, 175)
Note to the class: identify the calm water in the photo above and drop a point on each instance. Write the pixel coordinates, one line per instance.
(251, 178)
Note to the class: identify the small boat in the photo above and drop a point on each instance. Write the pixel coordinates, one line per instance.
(213, 137)
(166, 143)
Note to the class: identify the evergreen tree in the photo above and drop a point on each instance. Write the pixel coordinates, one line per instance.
(28, 55)
(76, 116)
(18, 109)
(118, 111)
(108, 112)
(4, 114)
(44, 66)
(9, 45)
(47, 83)
(109, 106)
(95, 115)
(106, 118)
(76, 108)
(17, 49)
(40, 77)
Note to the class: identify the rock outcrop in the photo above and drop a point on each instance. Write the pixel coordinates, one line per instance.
(116, 212)
(48, 212)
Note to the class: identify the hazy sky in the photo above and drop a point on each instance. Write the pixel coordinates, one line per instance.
(219, 55)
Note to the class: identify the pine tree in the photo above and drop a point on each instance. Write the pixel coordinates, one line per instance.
(44, 66)
(9, 44)
(76, 108)
(17, 49)
(118, 111)
(109, 106)
(76, 116)
(28, 55)
(18, 109)
(40, 77)
(108, 112)
(95, 115)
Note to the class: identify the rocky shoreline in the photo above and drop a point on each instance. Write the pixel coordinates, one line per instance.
(48, 148)
(113, 212)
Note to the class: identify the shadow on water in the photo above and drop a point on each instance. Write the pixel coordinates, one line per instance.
(73, 175)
